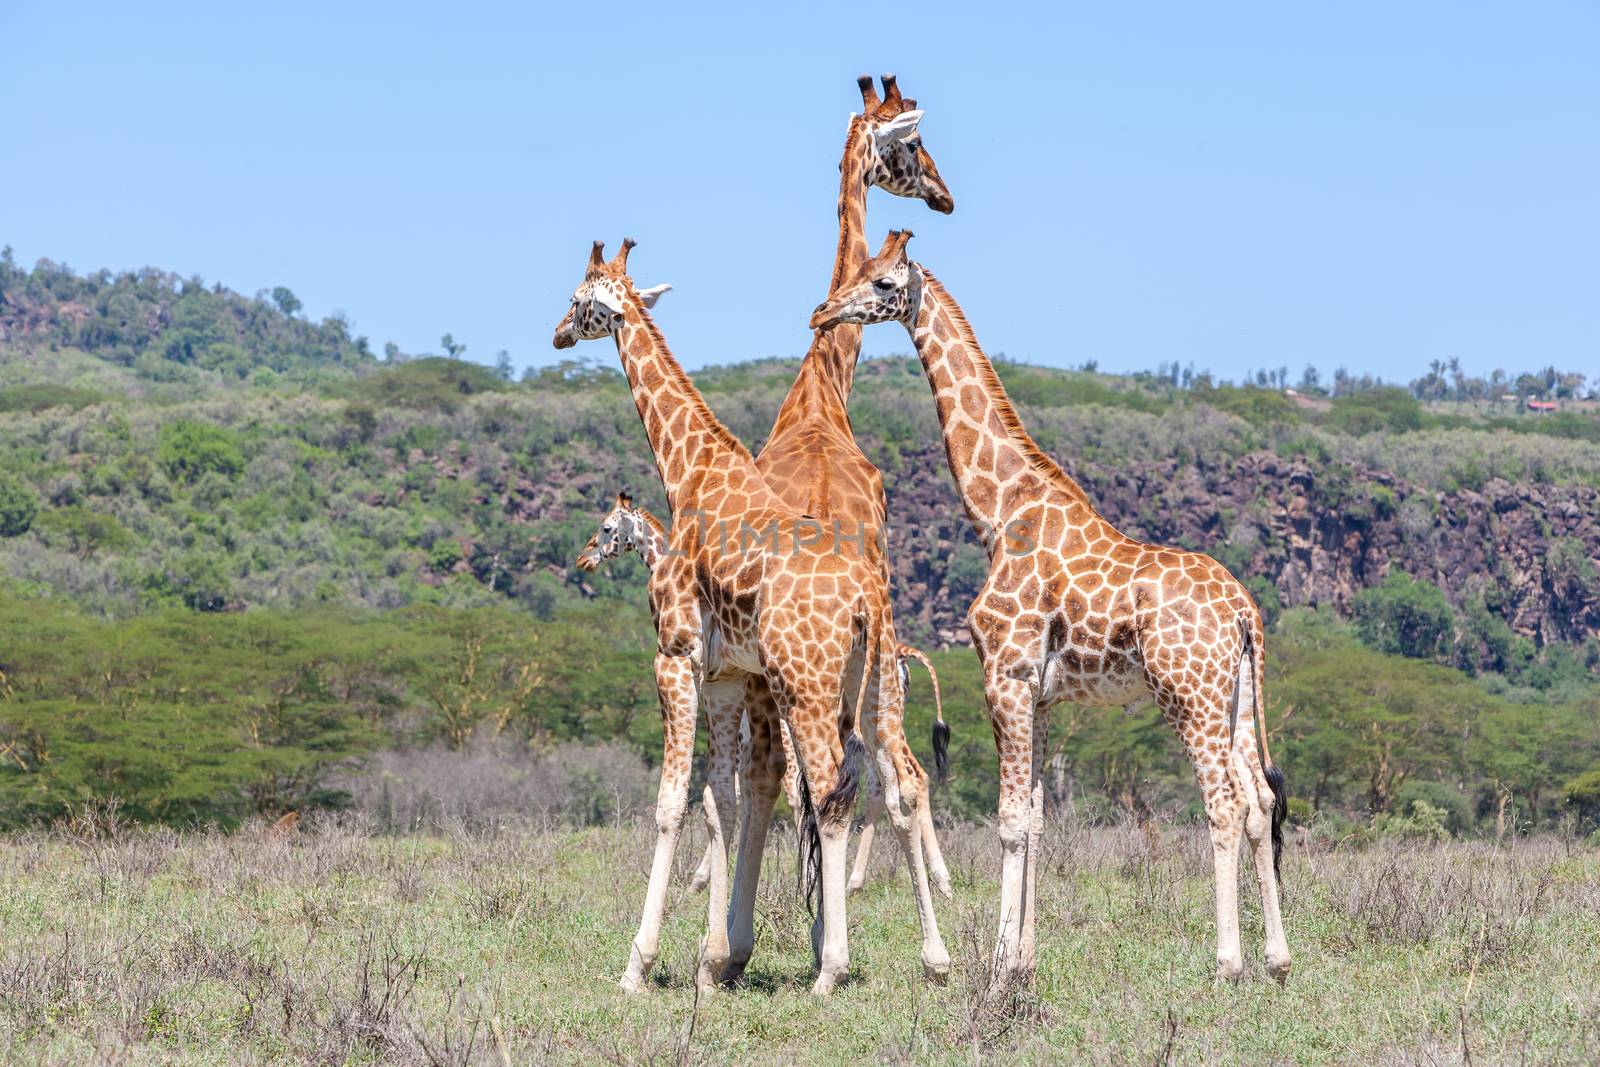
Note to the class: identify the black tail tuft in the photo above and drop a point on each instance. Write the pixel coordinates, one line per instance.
(810, 848)
(941, 751)
(840, 803)
(1280, 812)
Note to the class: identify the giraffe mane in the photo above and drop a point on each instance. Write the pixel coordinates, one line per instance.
(653, 522)
(696, 401)
(1038, 459)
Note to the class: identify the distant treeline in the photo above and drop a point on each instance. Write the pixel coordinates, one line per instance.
(192, 718)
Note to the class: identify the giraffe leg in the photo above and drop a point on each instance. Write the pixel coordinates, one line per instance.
(791, 766)
(724, 710)
(702, 873)
(905, 790)
(812, 710)
(1012, 703)
(858, 873)
(762, 773)
(1030, 911)
(829, 931)
(677, 684)
(1203, 723)
(1225, 811)
(937, 871)
(1258, 829)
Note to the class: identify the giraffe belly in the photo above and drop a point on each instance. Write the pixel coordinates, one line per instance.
(725, 657)
(1099, 681)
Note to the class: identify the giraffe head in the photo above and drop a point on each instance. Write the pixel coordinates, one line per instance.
(896, 160)
(886, 288)
(598, 304)
(622, 530)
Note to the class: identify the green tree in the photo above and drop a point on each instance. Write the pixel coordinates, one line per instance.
(475, 668)
(287, 302)
(86, 532)
(1405, 615)
(187, 449)
(18, 506)
(452, 349)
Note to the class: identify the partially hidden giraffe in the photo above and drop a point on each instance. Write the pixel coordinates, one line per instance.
(813, 464)
(629, 527)
(750, 587)
(1074, 610)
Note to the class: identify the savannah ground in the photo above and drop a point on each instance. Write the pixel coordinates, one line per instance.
(338, 945)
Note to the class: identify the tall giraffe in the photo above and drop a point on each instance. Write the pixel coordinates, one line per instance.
(1072, 609)
(813, 464)
(628, 527)
(749, 587)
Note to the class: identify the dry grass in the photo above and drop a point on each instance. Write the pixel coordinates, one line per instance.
(499, 945)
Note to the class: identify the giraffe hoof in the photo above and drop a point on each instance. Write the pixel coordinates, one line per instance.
(936, 972)
(944, 888)
(699, 882)
(634, 986)
(1279, 969)
(825, 984)
(854, 887)
(732, 972)
(1230, 971)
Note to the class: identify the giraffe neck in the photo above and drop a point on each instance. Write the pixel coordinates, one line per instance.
(834, 352)
(651, 543)
(855, 178)
(686, 439)
(998, 468)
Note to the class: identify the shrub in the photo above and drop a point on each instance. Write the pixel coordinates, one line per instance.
(1405, 615)
(18, 505)
(41, 396)
(1376, 410)
(187, 449)
(1424, 820)
(445, 554)
(1455, 808)
(1583, 794)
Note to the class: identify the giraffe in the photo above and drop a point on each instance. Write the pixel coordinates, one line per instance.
(1072, 609)
(628, 527)
(750, 587)
(813, 464)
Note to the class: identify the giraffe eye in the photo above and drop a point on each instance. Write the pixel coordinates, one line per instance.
(913, 146)
(883, 285)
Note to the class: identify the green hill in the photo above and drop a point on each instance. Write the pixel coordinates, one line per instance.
(180, 464)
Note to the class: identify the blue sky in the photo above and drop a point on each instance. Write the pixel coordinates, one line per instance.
(1366, 185)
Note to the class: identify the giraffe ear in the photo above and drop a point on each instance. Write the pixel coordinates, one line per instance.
(900, 127)
(648, 297)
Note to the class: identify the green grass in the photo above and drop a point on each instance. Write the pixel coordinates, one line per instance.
(338, 946)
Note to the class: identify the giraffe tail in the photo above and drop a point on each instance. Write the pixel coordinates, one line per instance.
(1274, 776)
(840, 803)
(941, 731)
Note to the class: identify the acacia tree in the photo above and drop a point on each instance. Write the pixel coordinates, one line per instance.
(475, 668)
